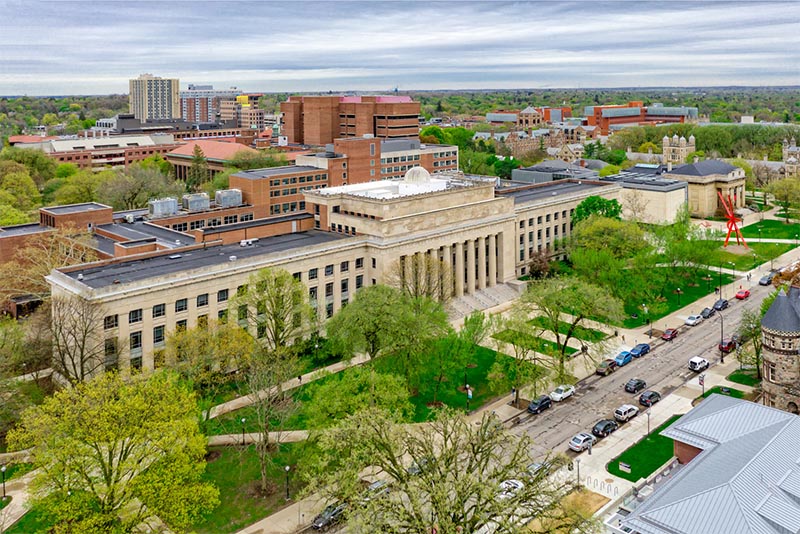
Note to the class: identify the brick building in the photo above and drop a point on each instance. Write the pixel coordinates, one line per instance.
(217, 154)
(318, 120)
(611, 117)
(201, 103)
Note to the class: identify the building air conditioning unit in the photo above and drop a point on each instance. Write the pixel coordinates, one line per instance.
(196, 202)
(228, 198)
(248, 242)
(163, 207)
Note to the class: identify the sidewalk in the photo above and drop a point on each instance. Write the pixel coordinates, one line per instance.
(17, 489)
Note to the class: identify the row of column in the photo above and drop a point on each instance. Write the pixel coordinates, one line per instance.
(479, 269)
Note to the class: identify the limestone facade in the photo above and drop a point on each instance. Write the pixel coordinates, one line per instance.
(791, 158)
(781, 369)
(677, 149)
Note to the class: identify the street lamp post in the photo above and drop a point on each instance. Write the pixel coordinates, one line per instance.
(795, 239)
(287, 469)
(243, 422)
(721, 336)
(648, 421)
(3, 470)
(759, 235)
(578, 464)
(647, 315)
(679, 295)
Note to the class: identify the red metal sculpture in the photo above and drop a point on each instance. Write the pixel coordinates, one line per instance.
(732, 220)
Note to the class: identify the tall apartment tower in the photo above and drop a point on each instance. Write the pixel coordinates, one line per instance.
(318, 120)
(152, 97)
(201, 103)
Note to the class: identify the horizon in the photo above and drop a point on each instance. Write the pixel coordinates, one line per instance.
(53, 47)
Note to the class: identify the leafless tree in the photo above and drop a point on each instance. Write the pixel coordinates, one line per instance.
(634, 205)
(79, 348)
(422, 275)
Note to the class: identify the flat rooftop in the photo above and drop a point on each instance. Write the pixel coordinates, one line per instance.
(257, 174)
(550, 190)
(137, 270)
(141, 230)
(76, 208)
(644, 180)
(23, 229)
(256, 223)
(392, 189)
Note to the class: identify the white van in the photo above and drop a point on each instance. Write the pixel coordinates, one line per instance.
(698, 364)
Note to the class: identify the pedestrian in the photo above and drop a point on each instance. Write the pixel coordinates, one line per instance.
(300, 378)
(513, 391)
(623, 338)
(716, 290)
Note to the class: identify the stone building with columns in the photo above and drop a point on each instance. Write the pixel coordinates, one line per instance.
(485, 232)
(780, 328)
(706, 178)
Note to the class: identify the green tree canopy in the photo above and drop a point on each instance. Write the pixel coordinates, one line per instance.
(597, 205)
(22, 187)
(114, 453)
(40, 167)
(608, 170)
(623, 239)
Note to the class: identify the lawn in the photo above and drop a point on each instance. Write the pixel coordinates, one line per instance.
(33, 522)
(580, 332)
(646, 456)
(17, 470)
(693, 286)
(771, 229)
(744, 262)
(747, 378)
(730, 392)
(4, 502)
(235, 471)
(535, 343)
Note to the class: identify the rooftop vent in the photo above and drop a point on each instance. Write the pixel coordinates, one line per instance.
(80, 276)
(231, 258)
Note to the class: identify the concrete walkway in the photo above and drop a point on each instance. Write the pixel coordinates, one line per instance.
(287, 436)
(17, 489)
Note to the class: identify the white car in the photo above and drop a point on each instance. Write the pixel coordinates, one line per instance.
(509, 487)
(561, 393)
(580, 442)
(693, 320)
(626, 412)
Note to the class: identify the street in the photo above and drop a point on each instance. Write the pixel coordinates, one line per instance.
(664, 369)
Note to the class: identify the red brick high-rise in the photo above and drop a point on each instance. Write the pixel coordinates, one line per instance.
(318, 120)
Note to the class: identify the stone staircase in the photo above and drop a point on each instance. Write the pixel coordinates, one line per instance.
(483, 299)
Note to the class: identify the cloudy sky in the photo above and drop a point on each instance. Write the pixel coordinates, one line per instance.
(94, 47)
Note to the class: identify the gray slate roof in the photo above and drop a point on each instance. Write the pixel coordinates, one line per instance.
(784, 314)
(746, 480)
(704, 168)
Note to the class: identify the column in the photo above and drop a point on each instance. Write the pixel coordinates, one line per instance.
(501, 268)
(471, 266)
(432, 270)
(449, 274)
(492, 260)
(482, 262)
(460, 269)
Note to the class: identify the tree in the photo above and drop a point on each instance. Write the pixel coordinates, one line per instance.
(424, 322)
(40, 167)
(82, 186)
(10, 216)
(539, 264)
(750, 330)
(451, 483)
(596, 205)
(79, 348)
(623, 239)
(112, 454)
(276, 305)
(21, 186)
(634, 205)
(517, 336)
(422, 275)
(648, 146)
(786, 193)
(245, 160)
(198, 171)
(356, 389)
(566, 304)
(42, 252)
(699, 154)
(609, 170)
(132, 188)
(434, 131)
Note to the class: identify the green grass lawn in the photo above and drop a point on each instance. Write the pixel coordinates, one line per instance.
(747, 378)
(235, 471)
(731, 392)
(771, 229)
(542, 346)
(744, 262)
(4, 502)
(646, 456)
(17, 470)
(33, 522)
(693, 285)
(586, 334)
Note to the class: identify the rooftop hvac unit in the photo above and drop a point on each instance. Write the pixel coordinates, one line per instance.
(228, 198)
(196, 202)
(163, 207)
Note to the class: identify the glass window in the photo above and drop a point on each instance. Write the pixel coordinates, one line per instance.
(345, 285)
(222, 316)
(329, 270)
(312, 274)
(222, 295)
(180, 325)
(181, 305)
(329, 289)
(329, 310)
(135, 316)
(344, 266)
(312, 294)
(202, 300)
(359, 281)
(158, 335)
(136, 341)
(359, 263)
(159, 310)
(111, 321)
(242, 312)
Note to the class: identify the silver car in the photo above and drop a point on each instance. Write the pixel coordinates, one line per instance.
(581, 442)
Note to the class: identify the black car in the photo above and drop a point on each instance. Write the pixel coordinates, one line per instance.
(707, 312)
(539, 405)
(635, 385)
(766, 279)
(721, 304)
(604, 428)
(331, 515)
(649, 398)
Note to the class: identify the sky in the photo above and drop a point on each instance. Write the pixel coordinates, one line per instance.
(61, 47)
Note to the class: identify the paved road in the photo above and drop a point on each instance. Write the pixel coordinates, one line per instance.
(664, 369)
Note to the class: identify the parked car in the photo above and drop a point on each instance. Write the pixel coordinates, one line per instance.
(743, 294)
(623, 358)
(649, 398)
(698, 364)
(418, 467)
(538, 469)
(604, 428)
(767, 279)
(606, 367)
(580, 442)
(640, 350)
(707, 312)
(727, 345)
(669, 334)
(693, 320)
(626, 412)
(539, 405)
(561, 393)
(721, 304)
(635, 385)
(377, 489)
(509, 487)
(331, 515)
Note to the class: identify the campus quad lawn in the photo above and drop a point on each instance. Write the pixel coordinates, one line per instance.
(542, 346)
(646, 456)
(33, 522)
(693, 287)
(771, 229)
(236, 473)
(744, 262)
(731, 392)
(580, 332)
(747, 378)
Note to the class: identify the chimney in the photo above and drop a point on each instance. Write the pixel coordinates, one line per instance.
(696, 159)
(669, 166)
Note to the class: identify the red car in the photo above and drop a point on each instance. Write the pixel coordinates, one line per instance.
(743, 294)
(727, 345)
(669, 334)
